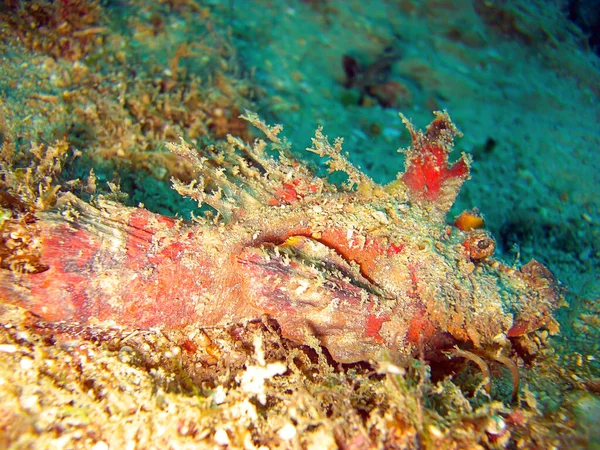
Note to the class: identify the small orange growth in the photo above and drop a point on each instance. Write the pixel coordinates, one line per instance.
(520, 328)
(188, 346)
(469, 220)
(373, 327)
(293, 191)
(420, 329)
(287, 194)
(395, 249)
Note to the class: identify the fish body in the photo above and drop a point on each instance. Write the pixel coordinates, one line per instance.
(366, 269)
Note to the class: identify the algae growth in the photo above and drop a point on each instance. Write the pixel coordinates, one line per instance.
(93, 91)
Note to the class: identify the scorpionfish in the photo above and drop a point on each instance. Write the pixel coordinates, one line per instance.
(364, 268)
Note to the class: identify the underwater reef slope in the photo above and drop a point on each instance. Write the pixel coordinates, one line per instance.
(176, 273)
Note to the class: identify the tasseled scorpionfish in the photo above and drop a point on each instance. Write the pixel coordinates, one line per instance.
(365, 268)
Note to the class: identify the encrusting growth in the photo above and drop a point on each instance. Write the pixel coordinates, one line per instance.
(366, 269)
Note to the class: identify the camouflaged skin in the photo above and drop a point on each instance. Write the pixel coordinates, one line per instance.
(366, 269)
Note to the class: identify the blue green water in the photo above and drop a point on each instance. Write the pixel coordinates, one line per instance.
(519, 79)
